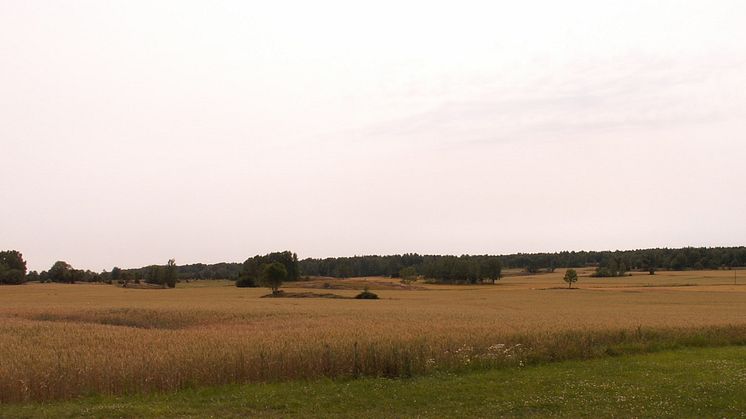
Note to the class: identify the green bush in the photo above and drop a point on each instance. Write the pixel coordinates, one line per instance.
(366, 295)
(12, 276)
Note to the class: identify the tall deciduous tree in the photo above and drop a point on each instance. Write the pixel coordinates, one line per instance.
(272, 276)
(571, 277)
(61, 271)
(169, 274)
(12, 267)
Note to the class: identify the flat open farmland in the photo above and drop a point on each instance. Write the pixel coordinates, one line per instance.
(71, 340)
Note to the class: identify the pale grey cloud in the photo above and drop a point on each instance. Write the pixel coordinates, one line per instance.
(633, 95)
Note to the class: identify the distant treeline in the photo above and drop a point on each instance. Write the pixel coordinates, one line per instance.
(641, 259)
(223, 270)
(249, 269)
(465, 268)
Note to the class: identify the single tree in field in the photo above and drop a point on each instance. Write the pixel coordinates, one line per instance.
(272, 276)
(570, 277)
(408, 274)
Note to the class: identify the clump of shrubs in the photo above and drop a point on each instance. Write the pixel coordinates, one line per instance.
(245, 282)
(366, 295)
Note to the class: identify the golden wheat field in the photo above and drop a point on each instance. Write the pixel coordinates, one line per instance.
(72, 340)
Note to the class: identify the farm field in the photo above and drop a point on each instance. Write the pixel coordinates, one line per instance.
(701, 383)
(69, 341)
(393, 209)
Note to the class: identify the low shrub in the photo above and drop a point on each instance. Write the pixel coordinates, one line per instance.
(366, 295)
(245, 283)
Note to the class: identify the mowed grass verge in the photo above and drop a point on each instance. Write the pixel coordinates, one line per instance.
(693, 382)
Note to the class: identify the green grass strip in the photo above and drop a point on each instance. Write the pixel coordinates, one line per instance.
(692, 382)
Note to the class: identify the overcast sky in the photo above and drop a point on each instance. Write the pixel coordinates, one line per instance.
(132, 132)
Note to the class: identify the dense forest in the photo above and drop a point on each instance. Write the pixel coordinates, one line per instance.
(221, 270)
(465, 268)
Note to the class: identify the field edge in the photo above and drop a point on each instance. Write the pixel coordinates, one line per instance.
(702, 382)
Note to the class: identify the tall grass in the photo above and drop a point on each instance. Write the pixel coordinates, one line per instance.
(41, 364)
